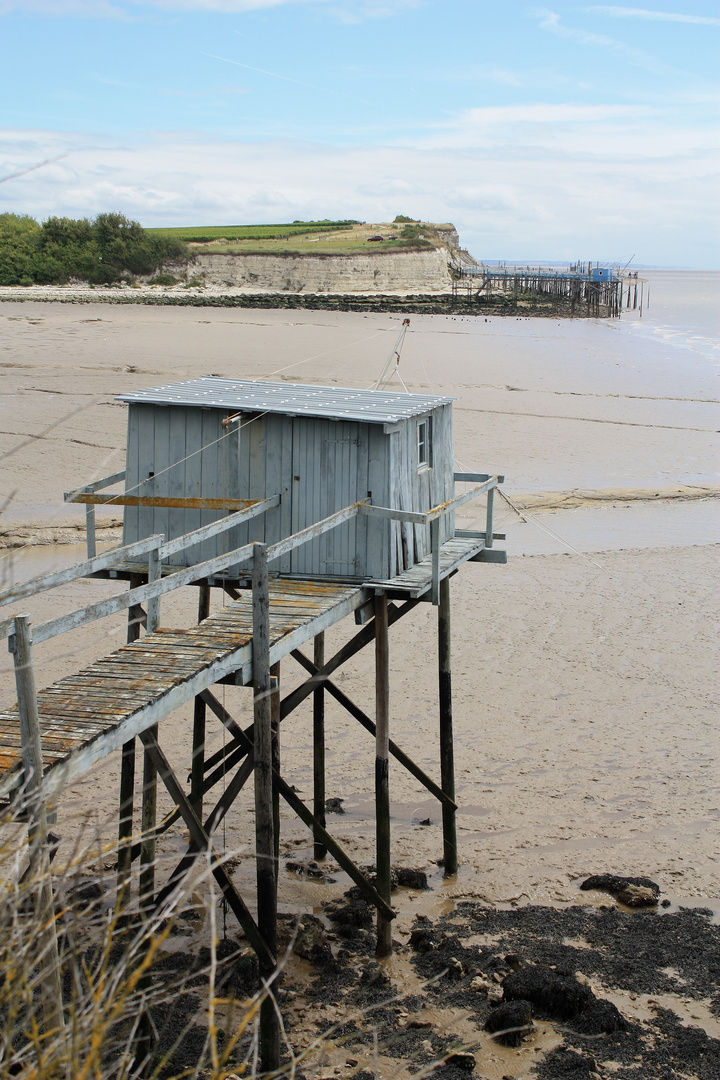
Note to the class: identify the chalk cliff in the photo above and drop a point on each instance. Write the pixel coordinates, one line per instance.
(402, 272)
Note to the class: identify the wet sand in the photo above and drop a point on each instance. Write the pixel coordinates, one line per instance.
(585, 676)
(583, 685)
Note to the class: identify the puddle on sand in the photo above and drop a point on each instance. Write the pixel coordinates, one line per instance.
(642, 1007)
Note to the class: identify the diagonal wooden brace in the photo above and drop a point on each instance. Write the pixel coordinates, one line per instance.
(363, 638)
(368, 724)
(202, 842)
(217, 814)
(302, 811)
(344, 861)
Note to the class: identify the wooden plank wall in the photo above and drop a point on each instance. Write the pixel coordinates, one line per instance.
(420, 489)
(318, 466)
(191, 455)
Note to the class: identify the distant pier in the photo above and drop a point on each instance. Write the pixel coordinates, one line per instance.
(580, 291)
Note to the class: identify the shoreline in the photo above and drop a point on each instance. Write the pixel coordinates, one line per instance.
(410, 304)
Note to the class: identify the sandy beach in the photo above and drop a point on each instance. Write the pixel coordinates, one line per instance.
(583, 684)
(585, 675)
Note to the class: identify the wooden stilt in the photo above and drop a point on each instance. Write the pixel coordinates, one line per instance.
(320, 851)
(264, 825)
(148, 820)
(197, 768)
(447, 764)
(149, 790)
(45, 932)
(382, 778)
(275, 730)
(127, 783)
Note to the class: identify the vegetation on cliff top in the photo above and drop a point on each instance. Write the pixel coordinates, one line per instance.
(110, 248)
(308, 238)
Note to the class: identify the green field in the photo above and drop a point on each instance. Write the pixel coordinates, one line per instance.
(302, 237)
(207, 234)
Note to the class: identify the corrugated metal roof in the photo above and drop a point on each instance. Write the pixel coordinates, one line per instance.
(295, 399)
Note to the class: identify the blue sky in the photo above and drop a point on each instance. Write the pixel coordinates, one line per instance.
(567, 131)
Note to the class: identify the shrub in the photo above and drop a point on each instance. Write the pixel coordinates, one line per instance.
(163, 279)
(103, 251)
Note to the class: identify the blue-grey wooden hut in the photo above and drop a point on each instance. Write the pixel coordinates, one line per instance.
(321, 448)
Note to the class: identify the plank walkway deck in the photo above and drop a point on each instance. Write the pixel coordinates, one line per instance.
(86, 716)
(417, 580)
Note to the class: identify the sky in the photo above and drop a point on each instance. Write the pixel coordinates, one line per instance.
(573, 131)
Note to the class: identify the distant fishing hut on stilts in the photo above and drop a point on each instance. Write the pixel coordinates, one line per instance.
(305, 505)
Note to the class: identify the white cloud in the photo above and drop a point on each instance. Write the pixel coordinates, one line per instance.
(551, 21)
(655, 16)
(566, 183)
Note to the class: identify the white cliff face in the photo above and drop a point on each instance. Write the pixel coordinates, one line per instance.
(402, 272)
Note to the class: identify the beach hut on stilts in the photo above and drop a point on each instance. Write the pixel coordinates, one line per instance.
(308, 506)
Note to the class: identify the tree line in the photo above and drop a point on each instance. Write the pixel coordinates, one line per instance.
(108, 249)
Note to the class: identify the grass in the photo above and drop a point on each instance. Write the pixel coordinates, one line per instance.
(306, 238)
(204, 234)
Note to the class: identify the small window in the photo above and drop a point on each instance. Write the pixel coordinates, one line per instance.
(423, 444)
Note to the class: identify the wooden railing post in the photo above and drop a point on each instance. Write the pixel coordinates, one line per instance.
(46, 947)
(90, 531)
(264, 823)
(489, 518)
(320, 851)
(382, 776)
(435, 546)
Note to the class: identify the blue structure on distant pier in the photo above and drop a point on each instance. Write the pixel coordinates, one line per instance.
(602, 273)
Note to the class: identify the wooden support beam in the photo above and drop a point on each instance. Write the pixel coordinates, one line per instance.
(309, 819)
(127, 786)
(197, 767)
(264, 824)
(435, 548)
(361, 639)
(275, 747)
(162, 501)
(45, 933)
(149, 790)
(226, 800)
(489, 519)
(362, 717)
(90, 532)
(447, 763)
(201, 840)
(344, 861)
(382, 778)
(319, 850)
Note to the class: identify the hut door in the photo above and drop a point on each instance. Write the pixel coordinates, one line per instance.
(325, 471)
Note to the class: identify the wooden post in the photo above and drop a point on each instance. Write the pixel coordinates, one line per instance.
(275, 740)
(435, 545)
(149, 790)
(320, 851)
(489, 519)
(382, 777)
(447, 764)
(197, 766)
(90, 531)
(127, 786)
(45, 931)
(264, 825)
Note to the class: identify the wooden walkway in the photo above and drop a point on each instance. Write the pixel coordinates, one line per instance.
(86, 716)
